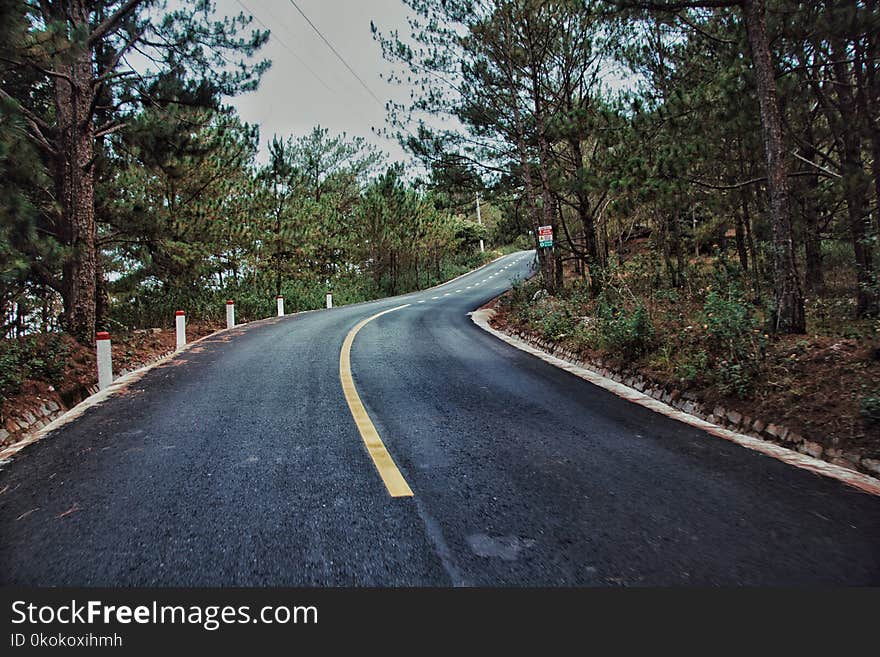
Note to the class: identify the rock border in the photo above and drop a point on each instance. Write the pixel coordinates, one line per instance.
(770, 439)
(24, 422)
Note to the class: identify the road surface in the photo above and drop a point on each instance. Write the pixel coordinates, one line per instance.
(239, 462)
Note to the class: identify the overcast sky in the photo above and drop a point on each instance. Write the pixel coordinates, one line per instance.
(307, 85)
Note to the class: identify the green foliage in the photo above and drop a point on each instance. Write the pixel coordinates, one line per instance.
(201, 222)
(555, 321)
(41, 358)
(130, 158)
(520, 294)
(627, 333)
(691, 368)
(28, 251)
(734, 336)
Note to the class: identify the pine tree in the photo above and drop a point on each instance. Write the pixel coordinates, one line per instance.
(79, 50)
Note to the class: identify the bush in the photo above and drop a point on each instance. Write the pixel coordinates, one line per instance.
(733, 334)
(693, 367)
(626, 333)
(518, 301)
(734, 379)
(40, 357)
(11, 374)
(558, 322)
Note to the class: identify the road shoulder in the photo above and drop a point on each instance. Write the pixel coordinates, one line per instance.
(857, 480)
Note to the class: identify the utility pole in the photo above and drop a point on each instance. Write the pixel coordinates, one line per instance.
(480, 221)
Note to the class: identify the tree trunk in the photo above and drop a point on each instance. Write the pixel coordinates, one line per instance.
(664, 232)
(677, 251)
(586, 218)
(750, 241)
(76, 193)
(741, 248)
(545, 263)
(813, 276)
(789, 301)
(872, 103)
(553, 281)
(855, 185)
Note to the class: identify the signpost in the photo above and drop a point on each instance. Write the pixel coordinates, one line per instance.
(545, 236)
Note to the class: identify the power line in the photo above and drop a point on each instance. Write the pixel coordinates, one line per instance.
(336, 52)
(286, 47)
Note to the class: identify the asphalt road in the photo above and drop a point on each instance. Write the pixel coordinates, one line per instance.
(239, 463)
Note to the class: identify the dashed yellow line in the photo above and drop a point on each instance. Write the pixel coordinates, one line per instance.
(394, 481)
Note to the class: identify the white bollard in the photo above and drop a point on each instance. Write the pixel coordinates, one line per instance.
(230, 314)
(280, 300)
(180, 325)
(329, 300)
(105, 360)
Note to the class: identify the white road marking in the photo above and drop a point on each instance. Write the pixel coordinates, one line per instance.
(422, 301)
(435, 297)
(446, 295)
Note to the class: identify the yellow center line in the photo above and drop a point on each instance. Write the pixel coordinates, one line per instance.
(394, 481)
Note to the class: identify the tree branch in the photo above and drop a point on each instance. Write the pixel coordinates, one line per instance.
(110, 129)
(35, 132)
(678, 6)
(744, 183)
(44, 71)
(110, 23)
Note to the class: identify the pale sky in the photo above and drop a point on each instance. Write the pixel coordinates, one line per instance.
(307, 85)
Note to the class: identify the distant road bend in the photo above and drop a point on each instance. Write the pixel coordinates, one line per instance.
(431, 453)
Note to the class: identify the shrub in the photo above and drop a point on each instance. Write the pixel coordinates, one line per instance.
(41, 357)
(558, 322)
(626, 333)
(733, 335)
(519, 300)
(692, 367)
(734, 379)
(11, 374)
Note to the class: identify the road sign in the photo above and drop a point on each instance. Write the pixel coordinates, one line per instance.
(545, 236)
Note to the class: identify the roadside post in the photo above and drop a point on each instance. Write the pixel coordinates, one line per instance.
(180, 326)
(280, 300)
(230, 314)
(329, 300)
(105, 360)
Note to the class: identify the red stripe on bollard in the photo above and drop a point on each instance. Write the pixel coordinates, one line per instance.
(179, 313)
(102, 335)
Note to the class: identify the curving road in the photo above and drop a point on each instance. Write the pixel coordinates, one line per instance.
(239, 463)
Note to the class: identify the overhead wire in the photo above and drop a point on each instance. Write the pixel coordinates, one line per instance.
(284, 45)
(338, 56)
